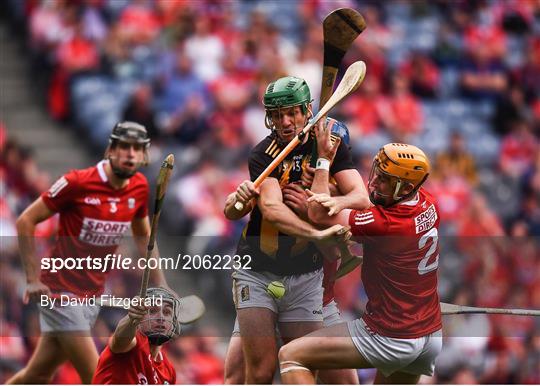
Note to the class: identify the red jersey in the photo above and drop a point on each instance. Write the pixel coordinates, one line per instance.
(329, 279)
(134, 367)
(399, 272)
(93, 220)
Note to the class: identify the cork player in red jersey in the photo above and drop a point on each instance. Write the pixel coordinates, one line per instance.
(400, 332)
(97, 206)
(133, 355)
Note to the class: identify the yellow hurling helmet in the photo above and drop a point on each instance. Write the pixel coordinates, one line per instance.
(405, 163)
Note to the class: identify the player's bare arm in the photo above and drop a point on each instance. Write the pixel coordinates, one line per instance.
(320, 194)
(245, 194)
(354, 193)
(356, 196)
(26, 225)
(283, 218)
(123, 338)
(348, 192)
(233, 214)
(141, 232)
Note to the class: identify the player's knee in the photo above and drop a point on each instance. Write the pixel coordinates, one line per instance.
(288, 361)
(233, 380)
(234, 377)
(261, 374)
(289, 352)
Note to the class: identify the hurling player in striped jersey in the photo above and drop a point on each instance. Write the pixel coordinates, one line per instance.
(295, 197)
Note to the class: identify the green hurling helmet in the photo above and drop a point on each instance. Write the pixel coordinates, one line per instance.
(286, 92)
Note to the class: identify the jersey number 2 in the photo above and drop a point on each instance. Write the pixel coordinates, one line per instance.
(423, 266)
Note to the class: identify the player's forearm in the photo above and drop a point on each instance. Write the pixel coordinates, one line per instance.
(334, 191)
(316, 212)
(231, 212)
(355, 199)
(285, 220)
(124, 335)
(25, 233)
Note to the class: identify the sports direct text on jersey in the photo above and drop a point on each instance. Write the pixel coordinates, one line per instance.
(102, 233)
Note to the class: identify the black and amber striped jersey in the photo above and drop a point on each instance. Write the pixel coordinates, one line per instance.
(270, 249)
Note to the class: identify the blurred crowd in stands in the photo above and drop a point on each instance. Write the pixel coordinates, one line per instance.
(460, 79)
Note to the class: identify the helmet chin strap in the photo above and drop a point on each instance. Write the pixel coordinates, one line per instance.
(412, 193)
(396, 190)
(373, 196)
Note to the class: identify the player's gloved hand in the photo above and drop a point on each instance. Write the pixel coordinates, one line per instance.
(325, 147)
(136, 312)
(333, 204)
(308, 173)
(246, 191)
(33, 291)
(336, 234)
(294, 196)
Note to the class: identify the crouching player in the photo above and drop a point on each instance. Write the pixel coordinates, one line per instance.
(133, 355)
(400, 332)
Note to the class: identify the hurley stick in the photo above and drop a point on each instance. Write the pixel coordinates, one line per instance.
(340, 29)
(162, 182)
(351, 81)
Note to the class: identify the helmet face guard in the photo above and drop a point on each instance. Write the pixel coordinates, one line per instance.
(276, 128)
(395, 181)
(132, 133)
(162, 322)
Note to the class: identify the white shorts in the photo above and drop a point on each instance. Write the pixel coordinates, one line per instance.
(413, 356)
(302, 301)
(68, 318)
(331, 316)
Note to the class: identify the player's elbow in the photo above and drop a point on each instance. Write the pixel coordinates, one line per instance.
(24, 224)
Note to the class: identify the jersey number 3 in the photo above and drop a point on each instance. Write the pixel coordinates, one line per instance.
(423, 266)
